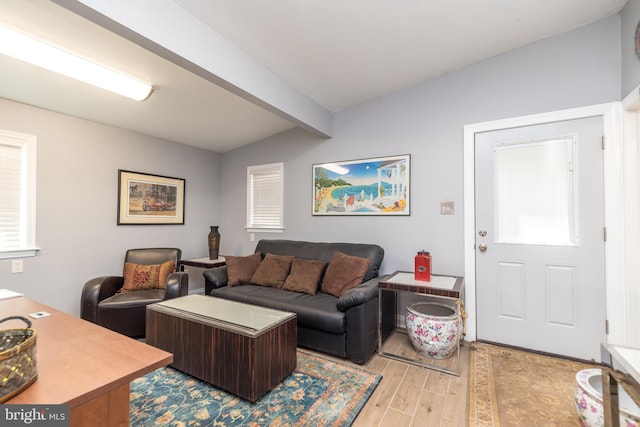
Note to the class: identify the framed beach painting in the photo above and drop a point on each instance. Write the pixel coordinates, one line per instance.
(377, 186)
(145, 199)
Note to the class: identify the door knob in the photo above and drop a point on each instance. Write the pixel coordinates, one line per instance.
(482, 247)
(482, 233)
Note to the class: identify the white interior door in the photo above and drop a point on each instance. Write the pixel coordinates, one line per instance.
(540, 278)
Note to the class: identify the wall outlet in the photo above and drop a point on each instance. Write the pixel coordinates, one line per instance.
(17, 266)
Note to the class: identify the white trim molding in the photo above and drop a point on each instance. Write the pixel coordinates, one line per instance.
(27, 242)
(611, 114)
(631, 137)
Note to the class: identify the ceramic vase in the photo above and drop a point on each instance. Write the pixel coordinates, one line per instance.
(214, 242)
(587, 398)
(434, 329)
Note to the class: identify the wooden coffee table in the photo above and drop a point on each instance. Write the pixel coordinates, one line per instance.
(241, 348)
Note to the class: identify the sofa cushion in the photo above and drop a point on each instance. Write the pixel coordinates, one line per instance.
(241, 268)
(324, 251)
(313, 311)
(343, 273)
(272, 271)
(320, 312)
(125, 312)
(304, 275)
(139, 277)
(127, 299)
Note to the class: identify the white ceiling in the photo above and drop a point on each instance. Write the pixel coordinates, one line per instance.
(338, 53)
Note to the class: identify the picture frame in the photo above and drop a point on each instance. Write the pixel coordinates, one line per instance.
(147, 199)
(374, 186)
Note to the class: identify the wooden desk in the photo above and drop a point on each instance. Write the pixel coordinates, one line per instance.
(82, 364)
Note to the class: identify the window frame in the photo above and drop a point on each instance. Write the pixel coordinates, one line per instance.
(257, 228)
(28, 145)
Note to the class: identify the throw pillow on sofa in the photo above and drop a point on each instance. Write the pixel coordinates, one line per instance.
(343, 273)
(139, 277)
(241, 268)
(272, 271)
(304, 276)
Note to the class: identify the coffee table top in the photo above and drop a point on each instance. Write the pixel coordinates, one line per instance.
(225, 314)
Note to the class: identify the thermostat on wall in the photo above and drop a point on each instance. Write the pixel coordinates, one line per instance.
(446, 208)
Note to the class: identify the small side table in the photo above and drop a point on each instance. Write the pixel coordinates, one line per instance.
(205, 262)
(625, 371)
(452, 289)
(196, 279)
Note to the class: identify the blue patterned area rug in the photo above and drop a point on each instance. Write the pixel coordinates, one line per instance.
(320, 392)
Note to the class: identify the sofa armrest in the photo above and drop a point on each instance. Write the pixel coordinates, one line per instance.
(359, 295)
(215, 278)
(94, 291)
(177, 285)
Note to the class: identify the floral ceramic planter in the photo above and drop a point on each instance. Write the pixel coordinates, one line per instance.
(434, 329)
(588, 401)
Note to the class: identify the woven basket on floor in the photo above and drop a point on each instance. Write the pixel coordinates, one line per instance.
(17, 359)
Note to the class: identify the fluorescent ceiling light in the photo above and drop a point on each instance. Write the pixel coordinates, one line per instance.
(335, 168)
(36, 52)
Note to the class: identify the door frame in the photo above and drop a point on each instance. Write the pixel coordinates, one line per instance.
(615, 285)
(631, 137)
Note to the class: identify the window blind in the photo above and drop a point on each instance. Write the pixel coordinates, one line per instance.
(11, 196)
(265, 196)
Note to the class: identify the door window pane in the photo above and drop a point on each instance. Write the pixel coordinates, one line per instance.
(534, 191)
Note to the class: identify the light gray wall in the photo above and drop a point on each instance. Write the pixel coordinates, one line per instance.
(630, 16)
(78, 162)
(77, 181)
(575, 69)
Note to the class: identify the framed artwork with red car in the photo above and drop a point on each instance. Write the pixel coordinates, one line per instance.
(146, 199)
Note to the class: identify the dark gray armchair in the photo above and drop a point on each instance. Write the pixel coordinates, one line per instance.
(125, 312)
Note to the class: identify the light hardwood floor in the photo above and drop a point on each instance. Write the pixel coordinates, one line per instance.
(410, 396)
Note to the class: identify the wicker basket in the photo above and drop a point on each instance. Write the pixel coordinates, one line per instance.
(17, 359)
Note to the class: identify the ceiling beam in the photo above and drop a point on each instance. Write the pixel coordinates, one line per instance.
(170, 32)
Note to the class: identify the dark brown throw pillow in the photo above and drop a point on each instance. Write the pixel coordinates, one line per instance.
(343, 273)
(139, 277)
(272, 271)
(241, 268)
(304, 276)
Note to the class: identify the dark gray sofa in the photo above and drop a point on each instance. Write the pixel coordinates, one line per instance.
(344, 327)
